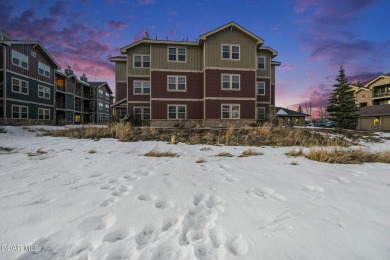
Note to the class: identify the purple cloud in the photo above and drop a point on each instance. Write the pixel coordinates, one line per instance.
(145, 2)
(117, 24)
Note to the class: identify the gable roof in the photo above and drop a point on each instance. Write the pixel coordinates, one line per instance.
(100, 84)
(233, 25)
(124, 49)
(36, 43)
(369, 82)
(282, 112)
(379, 110)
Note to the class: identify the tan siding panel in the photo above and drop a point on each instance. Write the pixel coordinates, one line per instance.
(120, 71)
(385, 123)
(267, 71)
(142, 49)
(160, 58)
(366, 123)
(382, 81)
(214, 50)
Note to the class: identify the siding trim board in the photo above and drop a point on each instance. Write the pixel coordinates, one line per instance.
(27, 77)
(175, 99)
(227, 68)
(229, 98)
(29, 102)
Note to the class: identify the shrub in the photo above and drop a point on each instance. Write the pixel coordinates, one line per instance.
(250, 152)
(155, 153)
(201, 160)
(225, 154)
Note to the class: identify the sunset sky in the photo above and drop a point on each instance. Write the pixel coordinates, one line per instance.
(313, 37)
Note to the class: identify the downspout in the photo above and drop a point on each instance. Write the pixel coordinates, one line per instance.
(4, 85)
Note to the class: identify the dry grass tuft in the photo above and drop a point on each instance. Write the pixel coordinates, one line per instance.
(201, 160)
(225, 154)
(295, 153)
(155, 153)
(343, 156)
(6, 149)
(250, 152)
(92, 151)
(206, 149)
(294, 163)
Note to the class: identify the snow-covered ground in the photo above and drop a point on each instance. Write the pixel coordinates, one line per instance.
(66, 202)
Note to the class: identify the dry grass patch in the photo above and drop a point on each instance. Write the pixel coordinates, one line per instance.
(5, 149)
(294, 163)
(155, 153)
(225, 154)
(250, 152)
(344, 156)
(92, 151)
(295, 153)
(201, 160)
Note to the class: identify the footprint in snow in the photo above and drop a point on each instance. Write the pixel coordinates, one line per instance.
(117, 235)
(266, 193)
(313, 189)
(163, 204)
(229, 178)
(147, 197)
(122, 190)
(108, 201)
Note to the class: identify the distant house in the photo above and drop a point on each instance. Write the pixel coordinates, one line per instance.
(81, 102)
(374, 118)
(289, 117)
(27, 77)
(226, 77)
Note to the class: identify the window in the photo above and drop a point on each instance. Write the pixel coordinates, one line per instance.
(20, 112)
(377, 121)
(177, 83)
(261, 88)
(100, 119)
(142, 113)
(261, 63)
(231, 111)
(92, 119)
(230, 82)
(19, 86)
(141, 61)
(141, 87)
(230, 52)
(100, 105)
(19, 59)
(92, 105)
(43, 92)
(100, 93)
(43, 113)
(107, 107)
(43, 69)
(107, 95)
(176, 54)
(33, 54)
(261, 113)
(177, 112)
(106, 117)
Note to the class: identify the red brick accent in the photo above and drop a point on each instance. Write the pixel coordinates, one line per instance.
(247, 108)
(160, 108)
(194, 85)
(265, 98)
(273, 95)
(120, 91)
(130, 91)
(247, 84)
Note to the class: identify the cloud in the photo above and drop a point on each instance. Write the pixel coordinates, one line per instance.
(145, 2)
(117, 24)
(317, 95)
(287, 67)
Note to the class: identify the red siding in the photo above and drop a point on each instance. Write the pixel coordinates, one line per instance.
(130, 91)
(120, 91)
(194, 109)
(247, 84)
(194, 85)
(266, 97)
(273, 95)
(247, 108)
(131, 105)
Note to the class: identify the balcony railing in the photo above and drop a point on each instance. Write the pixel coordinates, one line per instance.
(77, 108)
(61, 105)
(380, 94)
(60, 87)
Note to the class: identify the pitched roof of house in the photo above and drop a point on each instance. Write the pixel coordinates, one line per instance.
(98, 84)
(283, 112)
(35, 43)
(379, 110)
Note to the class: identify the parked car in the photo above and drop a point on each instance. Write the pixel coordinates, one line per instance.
(330, 124)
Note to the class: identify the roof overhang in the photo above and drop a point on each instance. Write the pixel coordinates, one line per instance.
(376, 79)
(148, 41)
(119, 103)
(118, 59)
(276, 63)
(269, 49)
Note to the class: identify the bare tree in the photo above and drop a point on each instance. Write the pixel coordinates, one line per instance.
(308, 107)
(322, 111)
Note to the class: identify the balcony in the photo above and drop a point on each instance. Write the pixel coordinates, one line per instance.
(61, 105)
(60, 87)
(380, 94)
(77, 108)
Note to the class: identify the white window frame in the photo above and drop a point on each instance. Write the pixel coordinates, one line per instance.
(231, 81)
(142, 87)
(177, 54)
(20, 112)
(107, 95)
(264, 58)
(258, 87)
(257, 113)
(45, 69)
(43, 92)
(177, 111)
(100, 119)
(20, 58)
(92, 105)
(177, 83)
(107, 107)
(142, 65)
(45, 114)
(20, 87)
(230, 106)
(142, 113)
(230, 46)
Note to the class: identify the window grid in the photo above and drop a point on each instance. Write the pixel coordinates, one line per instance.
(230, 82)
(141, 61)
(43, 92)
(261, 88)
(177, 112)
(19, 86)
(230, 111)
(177, 83)
(19, 112)
(261, 62)
(142, 113)
(261, 113)
(43, 69)
(43, 113)
(230, 52)
(177, 54)
(19, 59)
(141, 87)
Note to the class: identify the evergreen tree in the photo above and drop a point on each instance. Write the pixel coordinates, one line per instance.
(342, 107)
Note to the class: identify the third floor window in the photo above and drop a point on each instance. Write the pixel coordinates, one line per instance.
(43, 69)
(176, 54)
(141, 61)
(141, 87)
(19, 59)
(230, 52)
(261, 63)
